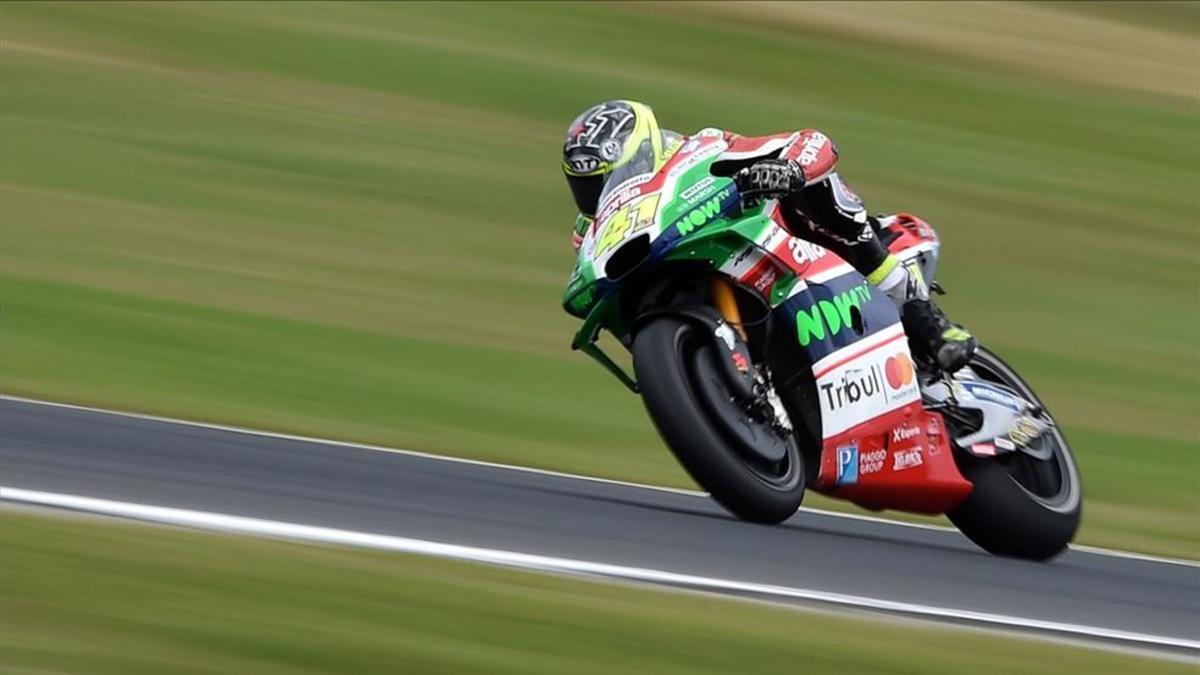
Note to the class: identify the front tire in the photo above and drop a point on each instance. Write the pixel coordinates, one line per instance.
(677, 384)
(1021, 506)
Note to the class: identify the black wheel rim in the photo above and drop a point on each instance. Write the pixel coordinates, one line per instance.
(783, 474)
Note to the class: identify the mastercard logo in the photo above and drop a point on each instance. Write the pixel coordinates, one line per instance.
(899, 370)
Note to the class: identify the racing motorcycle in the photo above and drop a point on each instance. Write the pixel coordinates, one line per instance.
(770, 366)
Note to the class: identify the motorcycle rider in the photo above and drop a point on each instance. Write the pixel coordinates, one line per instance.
(797, 168)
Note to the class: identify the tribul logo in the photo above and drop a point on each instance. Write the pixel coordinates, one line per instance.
(847, 459)
(855, 385)
(856, 390)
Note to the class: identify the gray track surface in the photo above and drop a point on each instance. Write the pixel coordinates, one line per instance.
(122, 458)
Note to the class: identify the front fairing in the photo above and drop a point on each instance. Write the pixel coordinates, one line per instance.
(661, 211)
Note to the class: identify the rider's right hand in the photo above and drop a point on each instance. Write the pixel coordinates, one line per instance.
(768, 179)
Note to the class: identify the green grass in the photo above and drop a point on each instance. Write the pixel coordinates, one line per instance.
(347, 220)
(99, 597)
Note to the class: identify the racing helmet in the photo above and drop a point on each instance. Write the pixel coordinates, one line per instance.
(604, 138)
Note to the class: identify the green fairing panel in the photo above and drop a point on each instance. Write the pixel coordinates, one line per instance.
(581, 289)
(688, 217)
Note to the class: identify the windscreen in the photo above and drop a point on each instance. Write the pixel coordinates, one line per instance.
(642, 162)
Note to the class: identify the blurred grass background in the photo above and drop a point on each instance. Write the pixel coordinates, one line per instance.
(347, 220)
(96, 597)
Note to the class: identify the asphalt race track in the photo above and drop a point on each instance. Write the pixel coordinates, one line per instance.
(131, 459)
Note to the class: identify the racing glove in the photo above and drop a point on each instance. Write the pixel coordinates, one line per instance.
(582, 223)
(769, 179)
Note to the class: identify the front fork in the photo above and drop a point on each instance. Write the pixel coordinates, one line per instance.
(726, 303)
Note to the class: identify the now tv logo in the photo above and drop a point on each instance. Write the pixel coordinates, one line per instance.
(830, 317)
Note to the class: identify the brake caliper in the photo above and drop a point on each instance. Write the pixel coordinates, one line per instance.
(750, 388)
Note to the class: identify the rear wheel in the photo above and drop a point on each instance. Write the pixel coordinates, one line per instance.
(744, 463)
(1022, 506)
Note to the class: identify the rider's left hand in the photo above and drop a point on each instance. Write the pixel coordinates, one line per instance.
(768, 179)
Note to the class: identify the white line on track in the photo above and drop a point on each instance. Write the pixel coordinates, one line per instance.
(546, 472)
(325, 535)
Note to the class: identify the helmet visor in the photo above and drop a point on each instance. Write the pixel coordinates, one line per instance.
(586, 191)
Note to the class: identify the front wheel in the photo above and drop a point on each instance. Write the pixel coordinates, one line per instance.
(1021, 506)
(744, 464)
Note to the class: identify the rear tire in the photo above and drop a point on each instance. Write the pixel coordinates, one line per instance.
(1021, 507)
(666, 358)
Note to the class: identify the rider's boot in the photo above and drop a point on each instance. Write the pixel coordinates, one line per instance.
(930, 334)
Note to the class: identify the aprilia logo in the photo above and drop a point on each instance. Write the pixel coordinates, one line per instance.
(804, 252)
(812, 147)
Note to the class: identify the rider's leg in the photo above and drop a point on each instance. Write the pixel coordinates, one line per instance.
(934, 336)
(833, 216)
